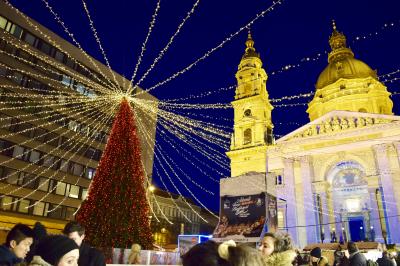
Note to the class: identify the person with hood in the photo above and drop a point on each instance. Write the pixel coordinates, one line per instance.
(56, 250)
(385, 260)
(39, 233)
(17, 246)
(340, 258)
(277, 250)
(317, 259)
(355, 257)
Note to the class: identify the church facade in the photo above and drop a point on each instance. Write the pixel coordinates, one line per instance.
(335, 177)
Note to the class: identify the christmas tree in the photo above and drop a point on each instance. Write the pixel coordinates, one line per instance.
(116, 212)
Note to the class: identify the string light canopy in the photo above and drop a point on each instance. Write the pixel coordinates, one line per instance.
(196, 135)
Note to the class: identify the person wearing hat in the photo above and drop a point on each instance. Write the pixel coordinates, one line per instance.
(317, 259)
(56, 250)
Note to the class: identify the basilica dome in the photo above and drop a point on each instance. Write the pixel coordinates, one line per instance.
(348, 84)
(346, 67)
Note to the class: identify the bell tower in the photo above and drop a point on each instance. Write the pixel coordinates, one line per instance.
(252, 115)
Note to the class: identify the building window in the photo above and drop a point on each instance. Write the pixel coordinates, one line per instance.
(48, 160)
(16, 31)
(34, 157)
(19, 153)
(90, 173)
(73, 191)
(43, 184)
(39, 134)
(55, 213)
(27, 180)
(247, 136)
(29, 38)
(6, 204)
(59, 56)
(3, 22)
(61, 186)
(69, 213)
(52, 139)
(39, 208)
(279, 180)
(45, 47)
(85, 192)
(23, 206)
(77, 169)
(66, 80)
(64, 166)
(12, 176)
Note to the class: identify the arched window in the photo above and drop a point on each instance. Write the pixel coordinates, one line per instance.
(247, 136)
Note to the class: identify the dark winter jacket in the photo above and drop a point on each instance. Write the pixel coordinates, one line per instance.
(321, 262)
(89, 256)
(7, 257)
(341, 259)
(385, 262)
(357, 259)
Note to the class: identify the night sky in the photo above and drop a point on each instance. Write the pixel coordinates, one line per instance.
(290, 33)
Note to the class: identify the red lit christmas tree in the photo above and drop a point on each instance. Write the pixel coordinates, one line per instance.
(116, 212)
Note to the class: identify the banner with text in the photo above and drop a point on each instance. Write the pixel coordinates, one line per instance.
(245, 217)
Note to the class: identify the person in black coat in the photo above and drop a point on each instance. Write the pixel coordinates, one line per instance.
(356, 258)
(88, 256)
(385, 260)
(39, 233)
(18, 242)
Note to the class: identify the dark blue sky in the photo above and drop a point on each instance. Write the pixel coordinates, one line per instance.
(292, 31)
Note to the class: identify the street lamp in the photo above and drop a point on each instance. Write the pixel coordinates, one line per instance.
(152, 188)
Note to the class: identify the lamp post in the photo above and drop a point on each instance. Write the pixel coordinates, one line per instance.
(384, 233)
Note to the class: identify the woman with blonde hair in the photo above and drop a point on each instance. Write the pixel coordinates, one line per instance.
(134, 256)
(277, 250)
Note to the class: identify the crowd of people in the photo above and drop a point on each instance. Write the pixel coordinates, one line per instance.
(34, 247)
(27, 246)
(276, 250)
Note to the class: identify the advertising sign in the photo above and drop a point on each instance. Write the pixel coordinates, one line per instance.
(246, 217)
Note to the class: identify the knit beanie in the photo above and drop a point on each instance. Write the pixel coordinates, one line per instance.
(53, 248)
(316, 252)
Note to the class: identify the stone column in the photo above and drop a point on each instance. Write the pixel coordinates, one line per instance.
(290, 197)
(388, 197)
(374, 215)
(310, 213)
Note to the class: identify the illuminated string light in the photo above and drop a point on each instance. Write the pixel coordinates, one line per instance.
(166, 47)
(50, 40)
(58, 19)
(183, 198)
(105, 121)
(175, 165)
(25, 48)
(208, 53)
(51, 152)
(47, 169)
(96, 36)
(152, 23)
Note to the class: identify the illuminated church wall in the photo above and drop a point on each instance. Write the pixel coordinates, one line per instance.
(336, 175)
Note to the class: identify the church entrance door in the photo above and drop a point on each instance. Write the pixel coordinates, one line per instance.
(356, 228)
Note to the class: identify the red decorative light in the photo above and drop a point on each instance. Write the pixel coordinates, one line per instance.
(116, 211)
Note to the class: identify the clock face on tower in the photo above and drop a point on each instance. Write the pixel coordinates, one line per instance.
(247, 112)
